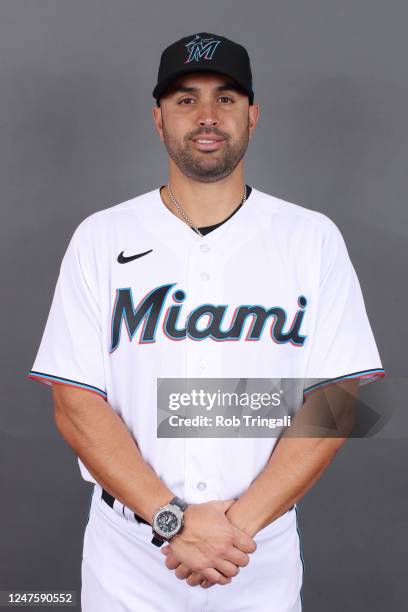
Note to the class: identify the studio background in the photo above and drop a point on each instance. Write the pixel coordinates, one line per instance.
(77, 136)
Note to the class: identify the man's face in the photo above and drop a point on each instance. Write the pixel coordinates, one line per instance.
(205, 123)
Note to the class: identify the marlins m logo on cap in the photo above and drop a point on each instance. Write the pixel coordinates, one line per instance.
(201, 48)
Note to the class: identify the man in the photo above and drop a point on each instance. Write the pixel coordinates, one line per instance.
(198, 279)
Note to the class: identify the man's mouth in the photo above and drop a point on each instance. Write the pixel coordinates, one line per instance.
(208, 144)
(207, 141)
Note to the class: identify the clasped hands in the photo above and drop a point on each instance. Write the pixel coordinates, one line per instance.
(209, 549)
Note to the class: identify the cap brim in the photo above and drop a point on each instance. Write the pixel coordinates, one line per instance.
(161, 88)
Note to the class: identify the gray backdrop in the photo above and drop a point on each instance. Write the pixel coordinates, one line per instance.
(77, 136)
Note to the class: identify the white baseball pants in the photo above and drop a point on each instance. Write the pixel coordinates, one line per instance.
(123, 572)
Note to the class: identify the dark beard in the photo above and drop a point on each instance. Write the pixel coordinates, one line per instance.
(199, 166)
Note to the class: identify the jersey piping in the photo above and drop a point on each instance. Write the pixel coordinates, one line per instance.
(365, 376)
(48, 379)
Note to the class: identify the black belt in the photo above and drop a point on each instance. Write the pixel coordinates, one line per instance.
(109, 499)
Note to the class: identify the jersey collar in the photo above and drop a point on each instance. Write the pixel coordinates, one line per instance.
(171, 228)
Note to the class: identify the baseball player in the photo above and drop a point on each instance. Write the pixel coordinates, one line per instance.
(202, 277)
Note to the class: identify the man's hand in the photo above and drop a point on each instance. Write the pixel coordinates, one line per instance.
(209, 544)
(184, 572)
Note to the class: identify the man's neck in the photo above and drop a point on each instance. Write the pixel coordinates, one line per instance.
(205, 203)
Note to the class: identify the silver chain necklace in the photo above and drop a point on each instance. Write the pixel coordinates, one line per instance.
(184, 214)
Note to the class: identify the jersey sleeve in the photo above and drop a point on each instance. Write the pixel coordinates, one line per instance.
(342, 342)
(71, 348)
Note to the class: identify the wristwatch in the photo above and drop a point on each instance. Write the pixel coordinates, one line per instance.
(168, 521)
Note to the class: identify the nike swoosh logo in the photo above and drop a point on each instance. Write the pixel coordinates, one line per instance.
(122, 259)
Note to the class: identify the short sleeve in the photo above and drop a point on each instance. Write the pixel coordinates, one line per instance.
(342, 342)
(71, 348)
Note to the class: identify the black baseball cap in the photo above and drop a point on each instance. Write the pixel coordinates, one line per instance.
(204, 52)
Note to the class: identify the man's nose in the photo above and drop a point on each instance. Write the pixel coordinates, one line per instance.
(208, 115)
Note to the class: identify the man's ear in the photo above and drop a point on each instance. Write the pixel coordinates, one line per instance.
(158, 120)
(253, 116)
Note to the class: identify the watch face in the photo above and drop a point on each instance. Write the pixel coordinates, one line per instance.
(167, 521)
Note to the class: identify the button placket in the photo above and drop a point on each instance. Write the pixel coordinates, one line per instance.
(201, 477)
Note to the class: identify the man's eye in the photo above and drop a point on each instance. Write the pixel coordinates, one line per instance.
(187, 101)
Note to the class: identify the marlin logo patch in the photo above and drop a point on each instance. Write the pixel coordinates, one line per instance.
(201, 48)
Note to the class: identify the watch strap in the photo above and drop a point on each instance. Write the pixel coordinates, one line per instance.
(177, 501)
(157, 541)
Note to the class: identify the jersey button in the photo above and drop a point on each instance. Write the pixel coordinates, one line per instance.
(202, 364)
(204, 276)
(204, 248)
(201, 486)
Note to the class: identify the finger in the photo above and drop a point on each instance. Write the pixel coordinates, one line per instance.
(171, 561)
(183, 571)
(165, 550)
(225, 567)
(215, 576)
(195, 578)
(206, 585)
(243, 541)
(237, 557)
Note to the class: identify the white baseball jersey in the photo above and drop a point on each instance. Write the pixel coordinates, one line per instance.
(270, 293)
(182, 308)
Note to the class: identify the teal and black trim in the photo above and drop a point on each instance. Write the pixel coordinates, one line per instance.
(366, 376)
(48, 379)
(301, 554)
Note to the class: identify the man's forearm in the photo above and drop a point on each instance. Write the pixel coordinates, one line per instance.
(100, 438)
(297, 462)
(294, 466)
